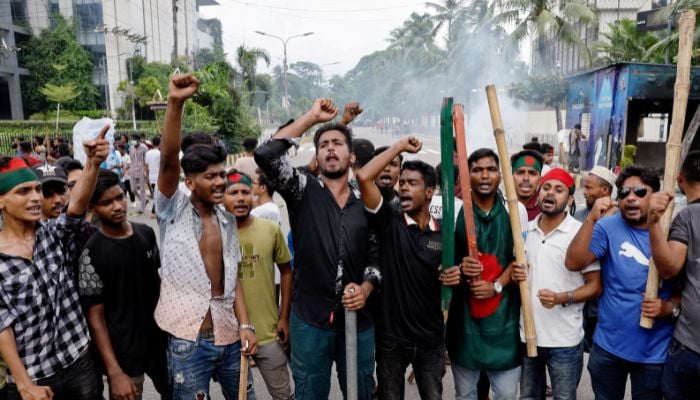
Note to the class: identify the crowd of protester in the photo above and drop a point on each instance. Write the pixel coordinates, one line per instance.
(89, 297)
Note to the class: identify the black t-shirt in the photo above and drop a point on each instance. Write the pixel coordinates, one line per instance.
(123, 275)
(409, 301)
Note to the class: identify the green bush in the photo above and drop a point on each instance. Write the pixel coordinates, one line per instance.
(67, 115)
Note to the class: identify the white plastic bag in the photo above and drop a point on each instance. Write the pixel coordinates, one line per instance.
(88, 129)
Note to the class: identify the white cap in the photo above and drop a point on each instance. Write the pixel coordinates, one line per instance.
(604, 174)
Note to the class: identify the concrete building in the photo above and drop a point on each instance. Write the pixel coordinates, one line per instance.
(111, 30)
(566, 59)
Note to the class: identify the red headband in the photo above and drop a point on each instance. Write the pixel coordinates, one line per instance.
(559, 175)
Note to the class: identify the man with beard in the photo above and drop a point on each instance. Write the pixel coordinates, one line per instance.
(201, 304)
(410, 324)
(53, 189)
(482, 331)
(677, 255)
(388, 178)
(620, 241)
(43, 335)
(119, 285)
(263, 246)
(557, 294)
(335, 268)
(527, 170)
(599, 182)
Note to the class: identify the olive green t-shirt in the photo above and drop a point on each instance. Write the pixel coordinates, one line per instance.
(262, 245)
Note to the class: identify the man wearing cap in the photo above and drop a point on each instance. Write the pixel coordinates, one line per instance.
(527, 172)
(557, 294)
(599, 182)
(620, 241)
(43, 335)
(53, 188)
(548, 157)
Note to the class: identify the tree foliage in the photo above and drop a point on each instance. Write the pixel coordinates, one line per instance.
(60, 47)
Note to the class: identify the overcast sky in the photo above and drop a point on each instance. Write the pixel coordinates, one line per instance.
(344, 31)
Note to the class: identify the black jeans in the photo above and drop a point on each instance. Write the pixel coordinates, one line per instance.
(428, 366)
(75, 382)
(3, 393)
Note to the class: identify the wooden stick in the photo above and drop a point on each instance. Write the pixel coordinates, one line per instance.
(243, 382)
(516, 228)
(464, 181)
(673, 145)
(447, 187)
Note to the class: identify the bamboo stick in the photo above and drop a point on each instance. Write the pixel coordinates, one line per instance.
(447, 188)
(243, 380)
(516, 228)
(673, 145)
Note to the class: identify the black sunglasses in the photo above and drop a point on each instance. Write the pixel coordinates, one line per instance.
(639, 191)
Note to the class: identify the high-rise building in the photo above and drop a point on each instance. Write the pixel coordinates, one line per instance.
(112, 31)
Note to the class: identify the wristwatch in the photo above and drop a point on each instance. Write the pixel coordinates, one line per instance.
(497, 287)
(249, 327)
(676, 310)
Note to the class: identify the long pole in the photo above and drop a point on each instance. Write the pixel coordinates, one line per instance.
(447, 187)
(174, 56)
(465, 183)
(285, 103)
(133, 99)
(673, 145)
(516, 228)
(351, 354)
(243, 378)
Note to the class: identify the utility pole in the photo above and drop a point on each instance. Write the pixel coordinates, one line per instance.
(174, 60)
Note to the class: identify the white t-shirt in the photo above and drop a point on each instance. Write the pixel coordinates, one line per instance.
(125, 160)
(435, 207)
(559, 326)
(153, 162)
(269, 211)
(563, 138)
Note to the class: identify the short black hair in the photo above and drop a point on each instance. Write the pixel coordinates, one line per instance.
(156, 141)
(334, 126)
(577, 126)
(135, 136)
(533, 146)
(546, 147)
(199, 157)
(63, 150)
(646, 174)
(262, 180)
(532, 153)
(363, 149)
(425, 169)
(106, 179)
(26, 146)
(691, 166)
(483, 152)
(69, 164)
(195, 138)
(381, 149)
(249, 144)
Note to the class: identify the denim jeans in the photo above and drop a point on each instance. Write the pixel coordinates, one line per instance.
(313, 352)
(193, 364)
(565, 366)
(503, 383)
(681, 378)
(75, 382)
(428, 366)
(609, 377)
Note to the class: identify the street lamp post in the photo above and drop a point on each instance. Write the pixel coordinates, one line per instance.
(285, 100)
(137, 52)
(325, 65)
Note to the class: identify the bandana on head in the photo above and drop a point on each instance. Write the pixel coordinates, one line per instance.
(527, 160)
(560, 175)
(15, 173)
(235, 177)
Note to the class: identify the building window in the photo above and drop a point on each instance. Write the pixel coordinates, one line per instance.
(18, 9)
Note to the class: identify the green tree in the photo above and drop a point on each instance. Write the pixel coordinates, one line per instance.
(449, 12)
(549, 21)
(60, 94)
(625, 43)
(60, 47)
(542, 89)
(247, 59)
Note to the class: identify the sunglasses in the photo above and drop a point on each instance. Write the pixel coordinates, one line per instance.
(639, 191)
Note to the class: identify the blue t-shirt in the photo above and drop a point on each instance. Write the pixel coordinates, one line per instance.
(624, 255)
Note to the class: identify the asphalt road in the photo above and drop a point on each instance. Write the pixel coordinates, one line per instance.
(430, 154)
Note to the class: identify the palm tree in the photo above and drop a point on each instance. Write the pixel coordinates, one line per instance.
(549, 21)
(625, 43)
(447, 13)
(668, 41)
(247, 59)
(418, 31)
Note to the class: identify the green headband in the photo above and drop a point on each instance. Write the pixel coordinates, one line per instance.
(10, 179)
(237, 177)
(527, 160)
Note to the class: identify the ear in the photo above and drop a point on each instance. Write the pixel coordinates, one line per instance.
(353, 158)
(429, 192)
(189, 182)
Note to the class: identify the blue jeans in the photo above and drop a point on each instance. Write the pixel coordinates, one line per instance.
(565, 366)
(609, 377)
(428, 365)
(313, 352)
(193, 364)
(681, 378)
(75, 382)
(503, 383)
